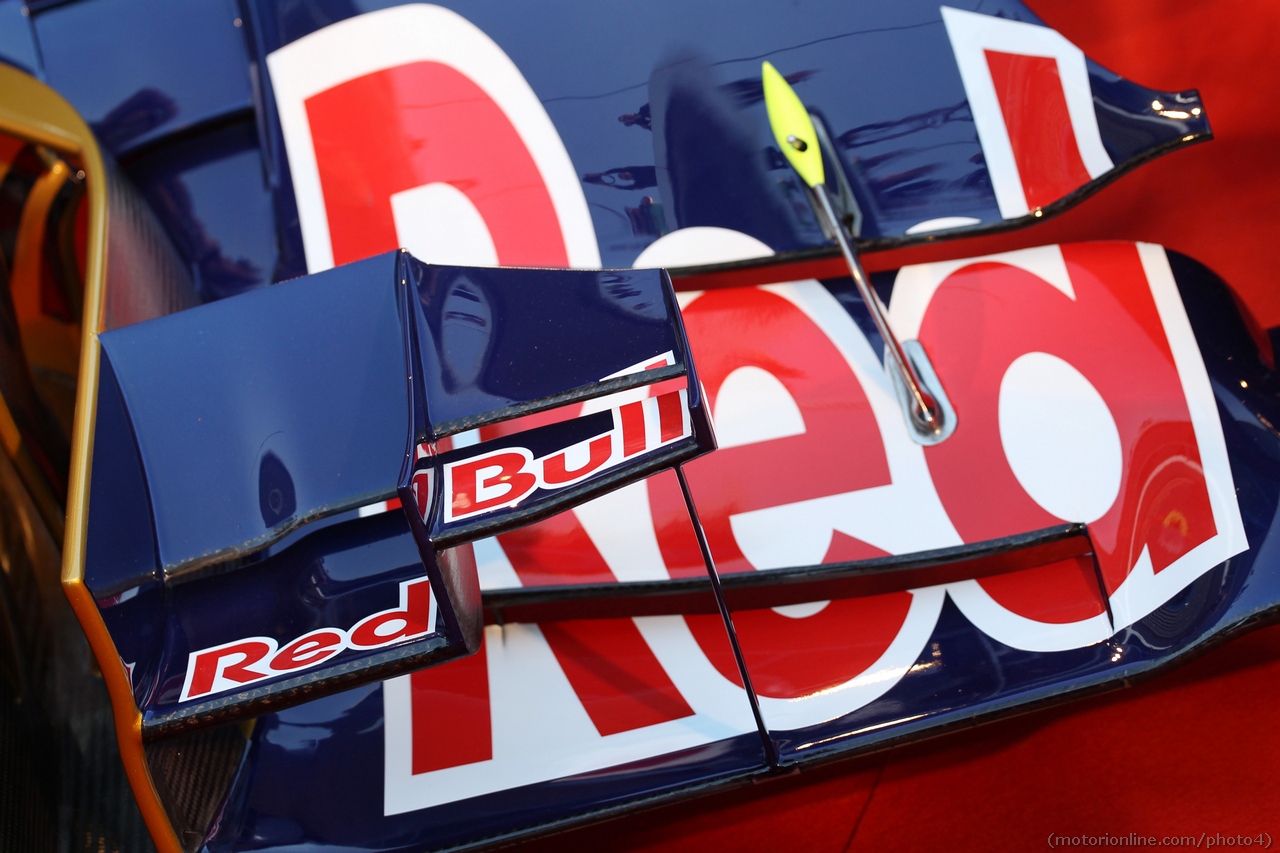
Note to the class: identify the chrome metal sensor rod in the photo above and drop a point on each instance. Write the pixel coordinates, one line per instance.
(926, 408)
(929, 415)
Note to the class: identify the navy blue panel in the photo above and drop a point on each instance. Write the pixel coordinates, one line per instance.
(332, 578)
(959, 670)
(961, 673)
(137, 69)
(491, 342)
(1247, 586)
(260, 413)
(712, 157)
(309, 373)
(135, 620)
(275, 805)
(291, 262)
(121, 550)
(1128, 119)
(882, 75)
(661, 110)
(17, 41)
(210, 193)
(248, 419)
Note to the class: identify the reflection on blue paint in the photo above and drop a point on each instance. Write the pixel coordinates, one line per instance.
(659, 108)
(17, 42)
(136, 69)
(210, 194)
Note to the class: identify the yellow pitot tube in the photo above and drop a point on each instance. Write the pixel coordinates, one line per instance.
(792, 127)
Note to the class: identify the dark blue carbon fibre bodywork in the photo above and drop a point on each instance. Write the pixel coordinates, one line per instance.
(242, 440)
(961, 676)
(181, 119)
(192, 121)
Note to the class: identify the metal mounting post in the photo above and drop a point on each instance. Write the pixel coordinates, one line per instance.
(929, 414)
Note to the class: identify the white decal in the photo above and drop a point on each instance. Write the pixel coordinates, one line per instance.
(972, 35)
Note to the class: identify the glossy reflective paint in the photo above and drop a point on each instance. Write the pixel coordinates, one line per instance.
(219, 484)
(210, 193)
(667, 137)
(1032, 103)
(1171, 496)
(1157, 486)
(571, 702)
(174, 68)
(421, 69)
(785, 394)
(637, 116)
(270, 366)
(486, 345)
(579, 698)
(503, 189)
(1151, 462)
(242, 441)
(332, 580)
(1049, 608)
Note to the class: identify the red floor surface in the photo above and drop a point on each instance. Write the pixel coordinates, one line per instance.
(1195, 751)
(1216, 201)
